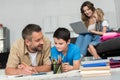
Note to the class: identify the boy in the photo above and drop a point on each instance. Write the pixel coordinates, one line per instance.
(68, 52)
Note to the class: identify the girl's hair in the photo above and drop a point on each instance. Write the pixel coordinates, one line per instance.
(84, 17)
(100, 14)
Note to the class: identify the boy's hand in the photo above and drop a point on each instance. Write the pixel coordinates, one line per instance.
(65, 67)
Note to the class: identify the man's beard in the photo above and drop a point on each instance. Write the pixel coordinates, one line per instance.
(38, 48)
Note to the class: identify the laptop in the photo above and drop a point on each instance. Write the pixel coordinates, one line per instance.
(79, 28)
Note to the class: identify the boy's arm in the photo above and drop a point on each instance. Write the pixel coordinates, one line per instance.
(67, 67)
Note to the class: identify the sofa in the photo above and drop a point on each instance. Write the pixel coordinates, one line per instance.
(108, 48)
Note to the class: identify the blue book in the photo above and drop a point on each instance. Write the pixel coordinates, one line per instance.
(95, 64)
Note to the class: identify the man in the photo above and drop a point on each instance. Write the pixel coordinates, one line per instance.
(30, 54)
(64, 51)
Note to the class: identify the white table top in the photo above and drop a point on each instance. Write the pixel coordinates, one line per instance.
(71, 75)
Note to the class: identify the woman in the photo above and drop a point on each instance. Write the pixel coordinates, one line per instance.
(83, 40)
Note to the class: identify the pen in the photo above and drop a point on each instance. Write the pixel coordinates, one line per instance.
(24, 63)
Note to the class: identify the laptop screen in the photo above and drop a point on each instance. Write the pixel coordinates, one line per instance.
(78, 27)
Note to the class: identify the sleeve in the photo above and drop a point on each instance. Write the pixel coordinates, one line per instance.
(77, 54)
(13, 59)
(47, 47)
(53, 53)
(105, 23)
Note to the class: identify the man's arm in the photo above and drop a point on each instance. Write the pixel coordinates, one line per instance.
(12, 71)
(43, 68)
(17, 71)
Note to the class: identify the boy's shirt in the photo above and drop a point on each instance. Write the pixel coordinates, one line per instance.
(72, 54)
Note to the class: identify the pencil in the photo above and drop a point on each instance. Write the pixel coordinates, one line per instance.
(24, 63)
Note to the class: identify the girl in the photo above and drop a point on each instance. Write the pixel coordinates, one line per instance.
(101, 28)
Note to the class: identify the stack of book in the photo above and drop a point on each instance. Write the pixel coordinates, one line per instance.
(114, 63)
(95, 68)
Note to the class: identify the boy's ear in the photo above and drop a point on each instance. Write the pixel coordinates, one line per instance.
(68, 41)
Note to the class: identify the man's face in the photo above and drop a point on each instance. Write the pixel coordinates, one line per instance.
(36, 43)
(61, 45)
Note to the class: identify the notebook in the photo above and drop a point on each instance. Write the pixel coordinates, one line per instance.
(79, 28)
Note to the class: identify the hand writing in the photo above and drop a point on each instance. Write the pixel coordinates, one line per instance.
(27, 69)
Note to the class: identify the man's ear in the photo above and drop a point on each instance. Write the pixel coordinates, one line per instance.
(27, 42)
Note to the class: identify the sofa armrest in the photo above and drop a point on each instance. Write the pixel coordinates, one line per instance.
(109, 45)
(107, 48)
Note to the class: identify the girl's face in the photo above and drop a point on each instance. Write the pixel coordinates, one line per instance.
(61, 45)
(88, 12)
(95, 16)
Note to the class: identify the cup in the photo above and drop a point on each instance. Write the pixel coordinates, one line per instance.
(57, 68)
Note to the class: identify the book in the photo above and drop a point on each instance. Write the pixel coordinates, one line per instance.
(114, 63)
(95, 64)
(95, 71)
(95, 61)
(95, 68)
(96, 74)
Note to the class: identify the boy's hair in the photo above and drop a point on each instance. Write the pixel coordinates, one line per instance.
(62, 33)
(29, 29)
(100, 14)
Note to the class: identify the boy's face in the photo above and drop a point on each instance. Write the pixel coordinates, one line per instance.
(61, 44)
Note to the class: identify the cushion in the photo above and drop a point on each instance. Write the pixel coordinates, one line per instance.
(109, 45)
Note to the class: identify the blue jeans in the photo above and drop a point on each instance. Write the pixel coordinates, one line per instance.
(83, 42)
(95, 40)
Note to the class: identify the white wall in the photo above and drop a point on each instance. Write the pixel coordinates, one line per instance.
(49, 14)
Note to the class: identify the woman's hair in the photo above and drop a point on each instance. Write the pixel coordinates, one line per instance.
(100, 14)
(84, 17)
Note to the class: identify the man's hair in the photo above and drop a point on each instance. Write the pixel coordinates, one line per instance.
(62, 33)
(29, 29)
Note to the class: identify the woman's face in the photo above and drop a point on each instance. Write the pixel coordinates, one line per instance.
(88, 12)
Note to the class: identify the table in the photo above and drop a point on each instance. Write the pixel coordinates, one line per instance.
(71, 75)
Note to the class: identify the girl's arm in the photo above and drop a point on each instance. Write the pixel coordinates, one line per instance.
(99, 32)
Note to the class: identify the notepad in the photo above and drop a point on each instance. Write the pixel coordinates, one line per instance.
(41, 73)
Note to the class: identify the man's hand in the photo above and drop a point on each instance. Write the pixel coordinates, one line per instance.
(27, 69)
